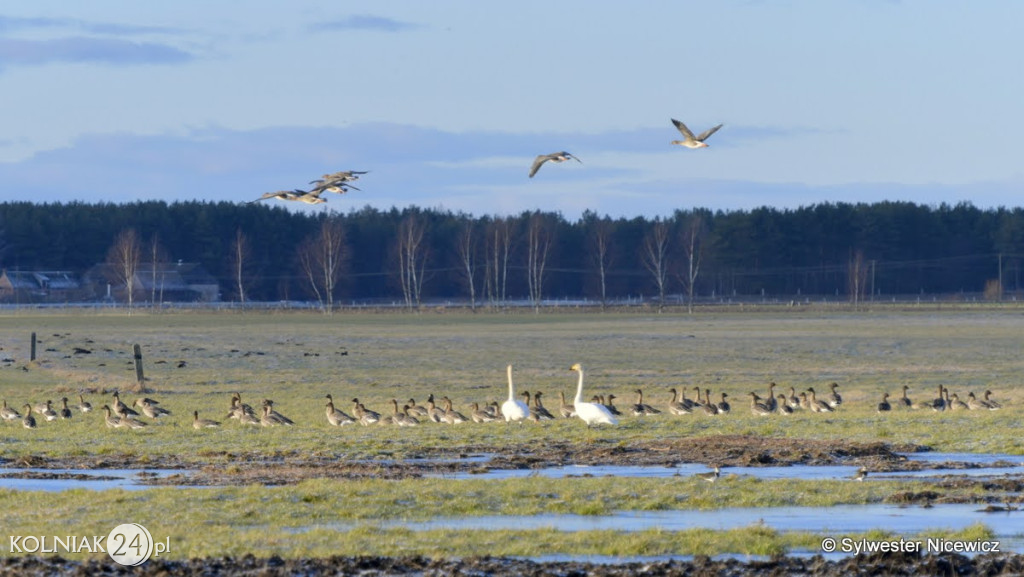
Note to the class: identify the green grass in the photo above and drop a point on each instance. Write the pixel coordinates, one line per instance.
(296, 359)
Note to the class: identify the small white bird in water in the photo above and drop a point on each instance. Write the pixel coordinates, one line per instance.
(691, 141)
(553, 157)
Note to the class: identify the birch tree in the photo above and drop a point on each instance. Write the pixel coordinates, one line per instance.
(654, 255)
(123, 258)
(321, 257)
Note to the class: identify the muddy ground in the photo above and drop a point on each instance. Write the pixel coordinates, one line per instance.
(876, 564)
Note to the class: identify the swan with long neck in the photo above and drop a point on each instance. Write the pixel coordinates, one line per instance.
(591, 413)
(513, 409)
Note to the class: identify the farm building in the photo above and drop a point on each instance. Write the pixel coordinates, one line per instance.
(156, 282)
(40, 286)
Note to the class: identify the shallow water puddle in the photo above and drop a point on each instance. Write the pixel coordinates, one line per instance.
(94, 479)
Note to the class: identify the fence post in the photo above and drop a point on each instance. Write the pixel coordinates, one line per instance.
(32, 353)
(138, 364)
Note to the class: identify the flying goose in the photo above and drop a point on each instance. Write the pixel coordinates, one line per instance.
(339, 177)
(198, 423)
(553, 157)
(281, 195)
(689, 140)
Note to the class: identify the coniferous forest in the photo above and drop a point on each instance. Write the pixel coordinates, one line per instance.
(258, 252)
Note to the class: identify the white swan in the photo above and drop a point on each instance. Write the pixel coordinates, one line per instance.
(591, 413)
(513, 409)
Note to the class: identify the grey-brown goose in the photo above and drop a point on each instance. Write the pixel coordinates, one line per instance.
(365, 416)
(992, 403)
(955, 404)
(904, 402)
(404, 419)
(561, 156)
(150, 410)
(757, 407)
(419, 410)
(793, 401)
(122, 410)
(48, 413)
(112, 421)
(84, 405)
(709, 408)
(539, 407)
(884, 406)
(9, 414)
(451, 416)
(198, 423)
(723, 406)
(974, 404)
(481, 416)
(565, 409)
(28, 421)
(336, 416)
(65, 412)
(770, 401)
(238, 408)
(710, 476)
(834, 398)
(689, 140)
(433, 412)
(610, 405)
(675, 406)
(805, 402)
(783, 405)
(817, 405)
(268, 409)
(862, 474)
(640, 408)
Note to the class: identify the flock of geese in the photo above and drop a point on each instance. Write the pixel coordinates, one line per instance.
(599, 410)
(340, 182)
(336, 182)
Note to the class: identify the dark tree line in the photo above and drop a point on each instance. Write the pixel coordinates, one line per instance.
(261, 252)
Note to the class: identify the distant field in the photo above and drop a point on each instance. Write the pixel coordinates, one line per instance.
(194, 361)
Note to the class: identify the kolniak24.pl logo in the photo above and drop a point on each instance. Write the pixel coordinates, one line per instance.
(128, 544)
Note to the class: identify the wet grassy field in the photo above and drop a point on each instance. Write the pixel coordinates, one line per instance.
(195, 361)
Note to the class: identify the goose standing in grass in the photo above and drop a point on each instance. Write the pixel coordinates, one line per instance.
(884, 406)
(122, 410)
(365, 416)
(591, 413)
(112, 421)
(793, 401)
(539, 408)
(955, 404)
(65, 412)
(710, 409)
(817, 405)
(974, 404)
(479, 415)
(610, 405)
(404, 419)
(640, 408)
(697, 403)
(805, 403)
(565, 409)
(268, 408)
(675, 406)
(335, 416)
(513, 409)
(84, 405)
(451, 416)
(553, 157)
(770, 401)
(247, 419)
(689, 140)
(433, 412)
(783, 406)
(992, 403)
(939, 403)
(834, 398)
(710, 476)
(150, 409)
(419, 410)
(757, 407)
(8, 414)
(28, 421)
(723, 406)
(48, 413)
(198, 423)
(904, 402)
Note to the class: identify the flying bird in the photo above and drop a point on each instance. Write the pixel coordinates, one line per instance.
(691, 141)
(281, 195)
(341, 176)
(553, 157)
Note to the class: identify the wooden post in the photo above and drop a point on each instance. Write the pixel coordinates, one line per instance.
(32, 353)
(138, 365)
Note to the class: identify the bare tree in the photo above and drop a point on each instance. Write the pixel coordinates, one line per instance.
(538, 241)
(157, 258)
(412, 258)
(654, 256)
(321, 257)
(240, 256)
(467, 258)
(123, 258)
(600, 242)
(499, 249)
(858, 276)
(693, 245)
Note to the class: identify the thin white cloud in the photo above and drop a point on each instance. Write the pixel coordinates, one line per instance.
(364, 22)
(18, 52)
(14, 24)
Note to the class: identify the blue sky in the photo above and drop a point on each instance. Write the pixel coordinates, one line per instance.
(448, 102)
